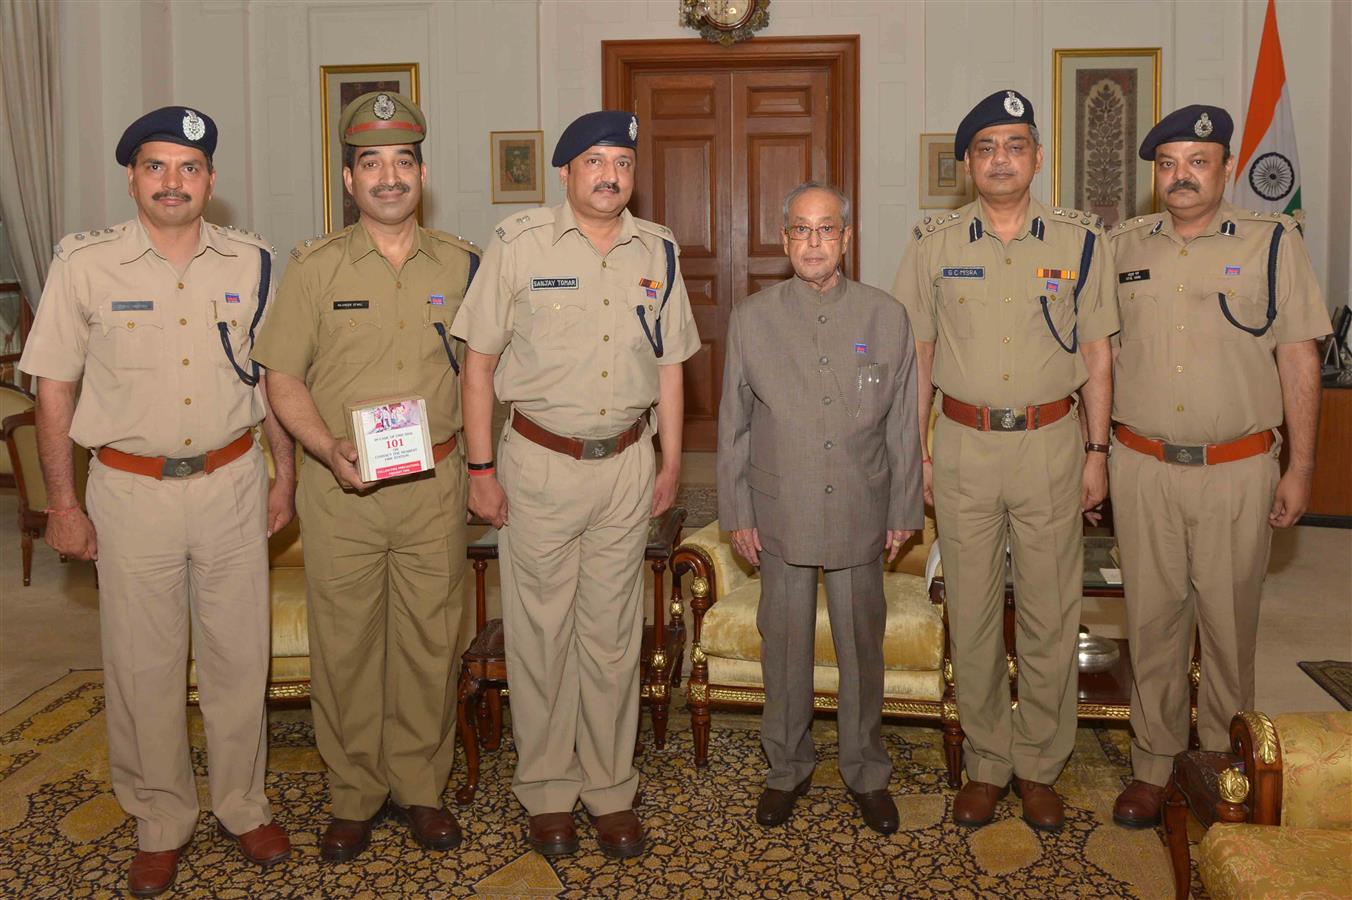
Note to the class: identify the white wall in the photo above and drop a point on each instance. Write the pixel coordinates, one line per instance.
(523, 64)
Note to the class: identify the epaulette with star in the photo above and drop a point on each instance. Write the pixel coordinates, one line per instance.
(306, 247)
(661, 231)
(244, 236)
(1087, 221)
(1135, 222)
(933, 224)
(80, 239)
(456, 240)
(512, 227)
(1290, 223)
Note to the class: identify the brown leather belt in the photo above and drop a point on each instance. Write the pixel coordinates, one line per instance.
(1196, 454)
(441, 451)
(988, 418)
(579, 448)
(161, 467)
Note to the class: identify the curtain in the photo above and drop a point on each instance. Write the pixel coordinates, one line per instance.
(30, 138)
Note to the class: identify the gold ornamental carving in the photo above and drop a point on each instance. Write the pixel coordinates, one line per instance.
(698, 693)
(1234, 786)
(1195, 673)
(949, 711)
(677, 609)
(697, 655)
(1264, 736)
(1013, 662)
(948, 672)
(659, 660)
(657, 691)
(699, 587)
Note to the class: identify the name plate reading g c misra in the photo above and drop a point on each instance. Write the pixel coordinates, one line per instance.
(391, 437)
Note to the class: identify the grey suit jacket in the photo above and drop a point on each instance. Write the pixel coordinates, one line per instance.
(817, 437)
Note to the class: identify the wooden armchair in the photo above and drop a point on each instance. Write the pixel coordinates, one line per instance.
(13, 400)
(21, 444)
(725, 656)
(1278, 809)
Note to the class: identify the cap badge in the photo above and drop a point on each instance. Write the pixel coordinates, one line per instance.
(383, 107)
(1013, 105)
(193, 126)
(633, 128)
(1203, 128)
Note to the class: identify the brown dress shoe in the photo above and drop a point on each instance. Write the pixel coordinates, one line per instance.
(975, 803)
(878, 810)
(1139, 805)
(552, 834)
(433, 828)
(152, 872)
(1041, 807)
(775, 807)
(263, 846)
(620, 834)
(346, 839)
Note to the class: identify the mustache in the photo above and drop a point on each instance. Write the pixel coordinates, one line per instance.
(395, 187)
(1184, 185)
(607, 186)
(171, 195)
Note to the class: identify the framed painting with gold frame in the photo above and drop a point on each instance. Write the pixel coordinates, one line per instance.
(944, 182)
(1104, 102)
(339, 86)
(518, 166)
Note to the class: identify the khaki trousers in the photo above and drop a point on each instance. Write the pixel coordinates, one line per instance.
(1021, 487)
(386, 573)
(571, 558)
(787, 619)
(169, 551)
(1195, 543)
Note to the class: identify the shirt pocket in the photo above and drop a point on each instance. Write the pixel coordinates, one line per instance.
(353, 337)
(233, 323)
(631, 330)
(961, 300)
(1244, 297)
(558, 318)
(437, 343)
(1055, 298)
(1139, 308)
(873, 386)
(761, 481)
(124, 338)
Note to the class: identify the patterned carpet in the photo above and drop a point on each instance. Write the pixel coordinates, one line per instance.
(63, 835)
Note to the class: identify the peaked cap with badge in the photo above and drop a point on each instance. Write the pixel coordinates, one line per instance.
(1199, 123)
(1000, 108)
(380, 118)
(604, 128)
(174, 124)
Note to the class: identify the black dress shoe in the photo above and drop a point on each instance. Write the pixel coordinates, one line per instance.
(775, 806)
(878, 810)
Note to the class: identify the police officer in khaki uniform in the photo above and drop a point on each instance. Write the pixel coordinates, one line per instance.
(1012, 308)
(140, 349)
(580, 321)
(1220, 312)
(364, 314)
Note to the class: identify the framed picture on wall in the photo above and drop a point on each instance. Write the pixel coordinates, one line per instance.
(944, 183)
(518, 166)
(339, 86)
(1104, 102)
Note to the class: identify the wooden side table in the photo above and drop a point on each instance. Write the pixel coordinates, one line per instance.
(483, 668)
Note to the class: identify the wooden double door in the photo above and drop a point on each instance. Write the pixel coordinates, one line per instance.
(724, 135)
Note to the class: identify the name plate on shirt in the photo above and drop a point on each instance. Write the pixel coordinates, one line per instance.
(554, 284)
(391, 437)
(965, 272)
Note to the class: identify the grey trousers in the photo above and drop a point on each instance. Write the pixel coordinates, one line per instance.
(787, 619)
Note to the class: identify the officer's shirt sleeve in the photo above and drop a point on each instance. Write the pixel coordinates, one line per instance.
(1301, 313)
(913, 288)
(1098, 314)
(680, 338)
(485, 318)
(60, 337)
(287, 340)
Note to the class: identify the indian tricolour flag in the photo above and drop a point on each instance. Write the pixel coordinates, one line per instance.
(1267, 171)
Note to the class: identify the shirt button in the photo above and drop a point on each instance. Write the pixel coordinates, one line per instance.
(1179, 407)
(1008, 261)
(187, 442)
(352, 323)
(131, 325)
(558, 306)
(1179, 327)
(1005, 376)
(187, 401)
(603, 412)
(1007, 299)
(821, 319)
(830, 489)
(183, 321)
(605, 374)
(1133, 296)
(1183, 252)
(606, 301)
(1178, 369)
(1005, 339)
(823, 360)
(1180, 288)
(398, 284)
(826, 401)
(605, 337)
(233, 323)
(185, 360)
(401, 323)
(399, 365)
(603, 263)
(962, 299)
(828, 445)
(180, 285)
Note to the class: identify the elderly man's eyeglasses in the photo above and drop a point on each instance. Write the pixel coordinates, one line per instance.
(825, 232)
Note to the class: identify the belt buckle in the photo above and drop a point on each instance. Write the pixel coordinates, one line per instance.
(1008, 419)
(599, 448)
(182, 467)
(1185, 454)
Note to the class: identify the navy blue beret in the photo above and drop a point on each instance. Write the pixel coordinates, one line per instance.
(1206, 124)
(1000, 108)
(175, 124)
(608, 128)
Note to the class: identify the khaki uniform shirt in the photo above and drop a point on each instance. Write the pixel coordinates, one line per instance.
(355, 329)
(981, 302)
(1185, 374)
(575, 357)
(145, 340)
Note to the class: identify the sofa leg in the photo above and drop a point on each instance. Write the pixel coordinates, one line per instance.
(26, 541)
(699, 723)
(467, 714)
(1176, 835)
(953, 738)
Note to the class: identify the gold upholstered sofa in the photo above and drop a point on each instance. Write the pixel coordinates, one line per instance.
(724, 592)
(1278, 809)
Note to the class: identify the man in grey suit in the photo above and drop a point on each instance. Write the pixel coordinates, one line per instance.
(819, 467)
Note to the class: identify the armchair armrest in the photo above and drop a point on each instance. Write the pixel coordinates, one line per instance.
(729, 571)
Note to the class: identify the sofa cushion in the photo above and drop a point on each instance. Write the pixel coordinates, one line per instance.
(903, 683)
(1252, 861)
(290, 635)
(914, 639)
(1316, 769)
